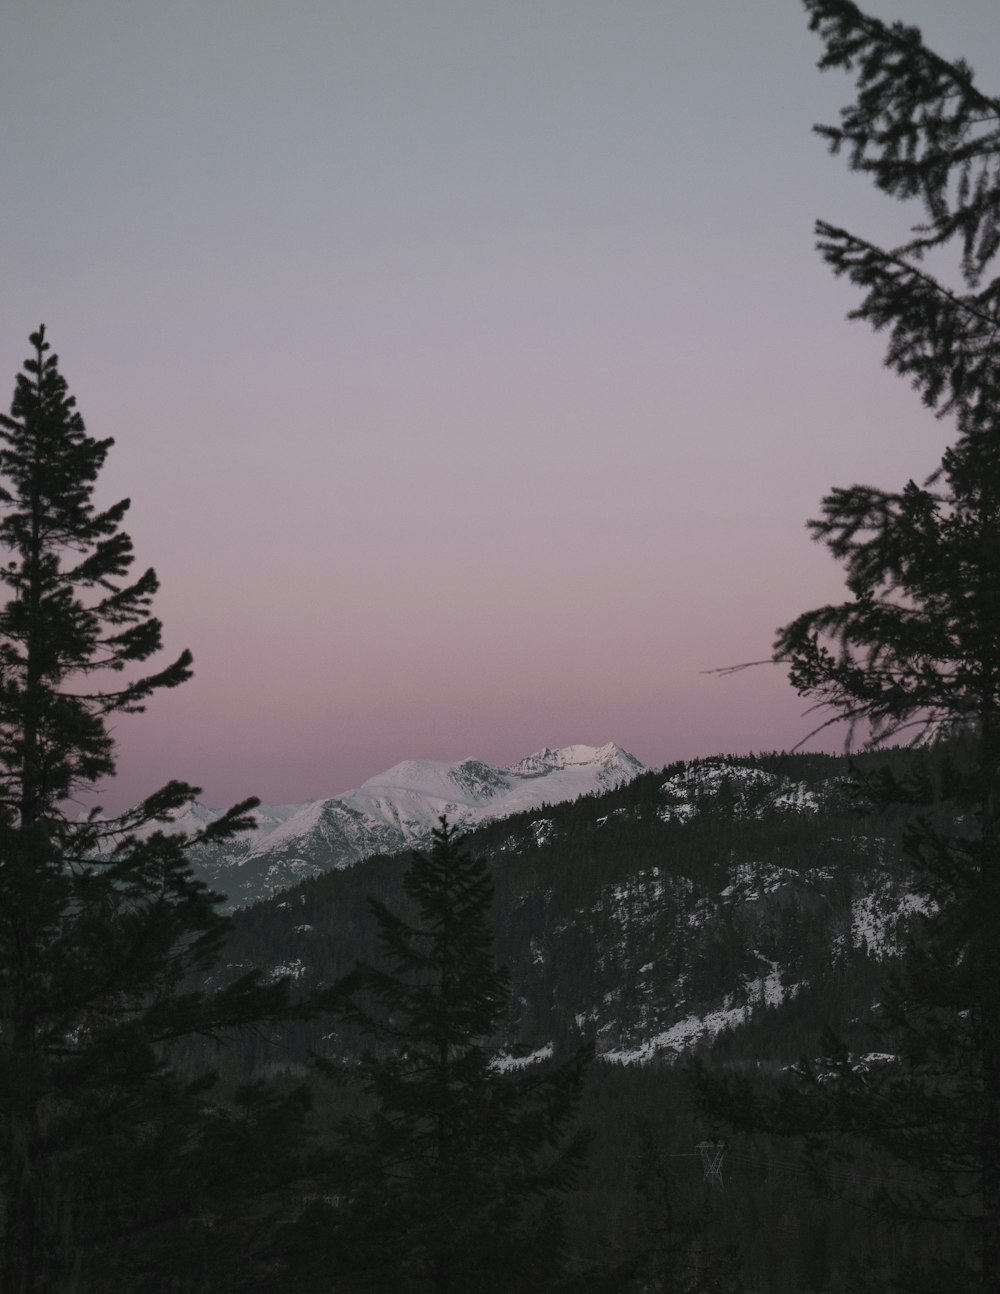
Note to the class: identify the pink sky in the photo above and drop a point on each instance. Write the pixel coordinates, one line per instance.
(471, 370)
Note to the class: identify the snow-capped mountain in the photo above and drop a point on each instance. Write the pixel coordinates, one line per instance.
(396, 810)
(732, 902)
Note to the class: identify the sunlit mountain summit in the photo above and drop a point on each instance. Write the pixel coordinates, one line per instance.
(396, 810)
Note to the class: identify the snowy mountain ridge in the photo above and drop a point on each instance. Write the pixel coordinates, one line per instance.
(394, 810)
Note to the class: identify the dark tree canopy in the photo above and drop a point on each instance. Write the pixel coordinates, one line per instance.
(73, 613)
(915, 649)
(452, 1181)
(921, 128)
(100, 927)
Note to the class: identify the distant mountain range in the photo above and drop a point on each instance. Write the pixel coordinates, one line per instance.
(395, 810)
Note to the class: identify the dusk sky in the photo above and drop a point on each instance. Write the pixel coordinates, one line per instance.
(470, 366)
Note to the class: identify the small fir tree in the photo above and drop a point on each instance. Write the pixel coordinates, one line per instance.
(100, 927)
(452, 1181)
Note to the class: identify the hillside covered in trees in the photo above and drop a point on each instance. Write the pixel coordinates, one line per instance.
(729, 909)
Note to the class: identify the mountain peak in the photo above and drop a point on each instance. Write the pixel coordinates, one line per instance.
(399, 808)
(467, 781)
(610, 757)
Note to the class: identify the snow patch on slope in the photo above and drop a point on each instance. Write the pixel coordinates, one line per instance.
(505, 1063)
(750, 792)
(878, 919)
(683, 1035)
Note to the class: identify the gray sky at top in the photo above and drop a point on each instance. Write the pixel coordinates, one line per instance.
(469, 364)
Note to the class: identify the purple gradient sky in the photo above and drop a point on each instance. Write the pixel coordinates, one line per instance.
(471, 370)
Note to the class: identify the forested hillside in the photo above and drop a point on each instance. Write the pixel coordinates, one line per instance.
(728, 908)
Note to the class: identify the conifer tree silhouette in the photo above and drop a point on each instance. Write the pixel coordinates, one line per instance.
(101, 921)
(452, 1182)
(915, 648)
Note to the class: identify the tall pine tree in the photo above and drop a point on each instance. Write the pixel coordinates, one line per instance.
(451, 1182)
(100, 927)
(916, 648)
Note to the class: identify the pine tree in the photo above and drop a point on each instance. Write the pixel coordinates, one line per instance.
(921, 128)
(100, 927)
(452, 1181)
(916, 648)
(919, 643)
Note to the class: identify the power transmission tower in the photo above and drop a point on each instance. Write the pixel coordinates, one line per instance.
(711, 1160)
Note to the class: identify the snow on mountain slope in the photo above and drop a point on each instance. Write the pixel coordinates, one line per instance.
(752, 792)
(398, 809)
(409, 798)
